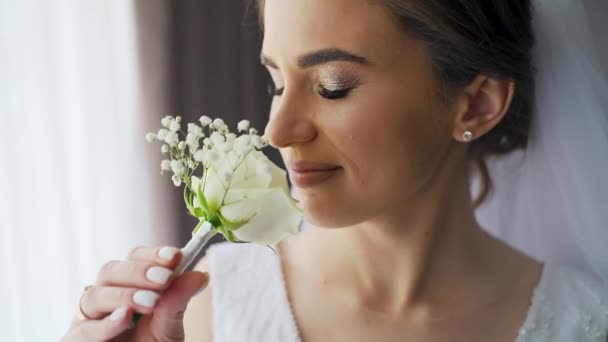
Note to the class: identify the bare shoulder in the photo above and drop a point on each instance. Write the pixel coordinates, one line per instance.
(198, 317)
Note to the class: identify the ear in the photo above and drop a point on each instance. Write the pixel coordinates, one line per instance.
(484, 103)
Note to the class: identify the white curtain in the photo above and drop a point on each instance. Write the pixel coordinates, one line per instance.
(78, 182)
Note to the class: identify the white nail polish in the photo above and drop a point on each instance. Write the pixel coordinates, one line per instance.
(158, 275)
(167, 253)
(145, 298)
(118, 314)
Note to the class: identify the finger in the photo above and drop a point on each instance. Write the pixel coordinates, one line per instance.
(99, 301)
(101, 330)
(169, 313)
(132, 273)
(165, 256)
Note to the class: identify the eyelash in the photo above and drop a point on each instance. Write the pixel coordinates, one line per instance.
(328, 94)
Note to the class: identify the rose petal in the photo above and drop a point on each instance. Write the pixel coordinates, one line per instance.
(272, 216)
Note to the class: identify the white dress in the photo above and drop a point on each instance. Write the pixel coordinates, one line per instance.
(250, 301)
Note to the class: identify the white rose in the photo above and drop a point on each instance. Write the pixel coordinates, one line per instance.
(254, 203)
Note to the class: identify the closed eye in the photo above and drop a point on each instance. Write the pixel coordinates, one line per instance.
(325, 93)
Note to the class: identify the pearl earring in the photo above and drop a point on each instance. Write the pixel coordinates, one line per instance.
(467, 136)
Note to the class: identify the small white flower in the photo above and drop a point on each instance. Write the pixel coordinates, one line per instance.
(162, 134)
(177, 167)
(253, 131)
(230, 137)
(164, 148)
(181, 145)
(207, 142)
(199, 155)
(174, 126)
(172, 139)
(166, 121)
(213, 156)
(192, 141)
(258, 142)
(177, 181)
(242, 150)
(195, 129)
(165, 165)
(244, 140)
(178, 119)
(217, 138)
(217, 123)
(205, 120)
(243, 125)
(150, 137)
(225, 147)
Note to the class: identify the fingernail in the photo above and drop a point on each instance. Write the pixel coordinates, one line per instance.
(145, 298)
(167, 253)
(158, 275)
(118, 314)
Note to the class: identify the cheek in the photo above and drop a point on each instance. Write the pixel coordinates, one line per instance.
(389, 136)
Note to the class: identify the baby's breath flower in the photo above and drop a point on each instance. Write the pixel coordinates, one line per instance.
(165, 165)
(230, 137)
(177, 181)
(207, 142)
(166, 121)
(172, 139)
(243, 125)
(225, 147)
(192, 141)
(174, 126)
(164, 148)
(217, 123)
(162, 134)
(212, 156)
(150, 137)
(205, 120)
(258, 142)
(217, 138)
(181, 145)
(177, 167)
(199, 155)
(253, 131)
(195, 130)
(178, 118)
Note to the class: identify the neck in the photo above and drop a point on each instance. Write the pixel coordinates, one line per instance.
(414, 255)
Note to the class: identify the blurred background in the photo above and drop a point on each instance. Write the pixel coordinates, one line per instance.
(81, 82)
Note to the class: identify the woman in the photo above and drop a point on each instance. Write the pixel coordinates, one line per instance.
(381, 111)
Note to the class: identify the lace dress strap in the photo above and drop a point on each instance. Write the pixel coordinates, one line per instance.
(567, 305)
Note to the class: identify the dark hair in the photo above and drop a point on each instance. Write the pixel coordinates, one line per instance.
(466, 38)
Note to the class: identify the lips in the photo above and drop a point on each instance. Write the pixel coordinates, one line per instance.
(307, 173)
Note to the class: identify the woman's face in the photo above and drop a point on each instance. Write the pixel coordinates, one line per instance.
(357, 102)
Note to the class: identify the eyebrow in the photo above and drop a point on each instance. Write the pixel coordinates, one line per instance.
(320, 57)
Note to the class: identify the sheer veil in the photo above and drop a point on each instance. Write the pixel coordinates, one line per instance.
(551, 200)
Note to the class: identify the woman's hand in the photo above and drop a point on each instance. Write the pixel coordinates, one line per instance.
(143, 283)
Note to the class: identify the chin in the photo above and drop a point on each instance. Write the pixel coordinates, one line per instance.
(329, 216)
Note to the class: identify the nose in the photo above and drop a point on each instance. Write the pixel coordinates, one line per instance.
(290, 122)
